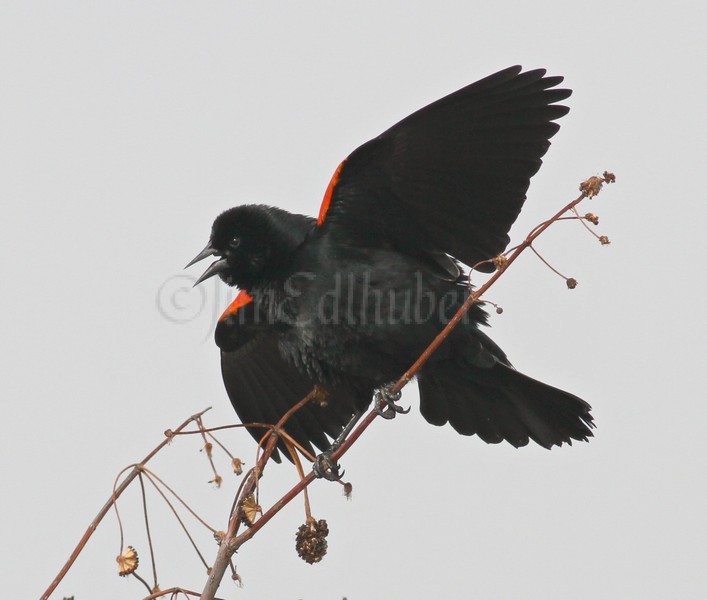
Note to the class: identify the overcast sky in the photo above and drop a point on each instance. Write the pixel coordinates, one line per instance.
(126, 127)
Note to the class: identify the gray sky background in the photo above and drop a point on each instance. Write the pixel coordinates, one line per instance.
(127, 126)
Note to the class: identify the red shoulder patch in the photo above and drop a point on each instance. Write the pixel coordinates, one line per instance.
(241, 300)
(329, 193)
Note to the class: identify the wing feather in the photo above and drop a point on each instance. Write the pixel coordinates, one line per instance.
(263, 386)
(451, 177)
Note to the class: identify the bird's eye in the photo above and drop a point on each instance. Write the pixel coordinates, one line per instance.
(235, 242)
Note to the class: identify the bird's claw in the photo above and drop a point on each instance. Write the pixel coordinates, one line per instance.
(326, 468)
(385, 403)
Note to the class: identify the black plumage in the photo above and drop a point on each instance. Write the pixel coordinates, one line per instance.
(348, 301)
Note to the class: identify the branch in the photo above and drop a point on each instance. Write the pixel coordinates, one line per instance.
(232, 542)
(137, 469)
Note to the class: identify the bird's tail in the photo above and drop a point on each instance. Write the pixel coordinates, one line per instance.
(499, 403)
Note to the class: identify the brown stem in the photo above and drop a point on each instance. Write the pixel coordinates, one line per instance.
(142, 581)
(154, 477)
(176, 514)
(147, 530)
(226, 550)
(300, 471)
(220, 445)
(547, 264)
(207, 449)
(476, 294)
(587, 227)
(106, 507)
(221, 427)
(173, 590)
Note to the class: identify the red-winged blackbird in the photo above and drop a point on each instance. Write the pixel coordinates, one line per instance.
(348, 301)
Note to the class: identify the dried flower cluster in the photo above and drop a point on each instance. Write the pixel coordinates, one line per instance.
(500, 262)
(311, 540)
(592, 186)
(250, 509)
(127, 561)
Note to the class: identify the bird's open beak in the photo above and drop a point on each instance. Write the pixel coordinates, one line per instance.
(215, 268)
(208, 251)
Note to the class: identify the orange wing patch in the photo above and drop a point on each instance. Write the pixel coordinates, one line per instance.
(241, 300)
(329, 193)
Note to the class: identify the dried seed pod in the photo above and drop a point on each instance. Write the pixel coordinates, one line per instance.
(348, 490)
(250, 510)
(591, 187)
(237, 465)
(604, 240)
(311, 541)
(571, 283)
(592, 218)
(500, 262)
(127, 561)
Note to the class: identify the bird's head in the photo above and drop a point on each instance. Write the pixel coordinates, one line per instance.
(251, 243)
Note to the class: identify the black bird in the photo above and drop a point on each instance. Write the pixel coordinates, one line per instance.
(348, 301)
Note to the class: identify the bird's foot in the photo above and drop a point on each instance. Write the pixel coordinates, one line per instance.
(326, 468)
(385, 403)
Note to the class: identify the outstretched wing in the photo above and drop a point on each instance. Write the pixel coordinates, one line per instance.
(262, 386)
(451, 177)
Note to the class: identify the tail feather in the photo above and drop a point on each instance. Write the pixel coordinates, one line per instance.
(502, 404)
(436, 409)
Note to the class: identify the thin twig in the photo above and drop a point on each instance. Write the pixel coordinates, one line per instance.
(220, 445)
(193, 513)
(547, 264)
(221, 427)
(226, 550)
(147, 529)
(107, 506)
(142, 581)
(587, 227)
(173, 590)
(179, 519)
(300, 471)
(207, 449)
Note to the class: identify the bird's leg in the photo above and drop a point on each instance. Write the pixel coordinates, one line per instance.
(385, 403)
(326, 468)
